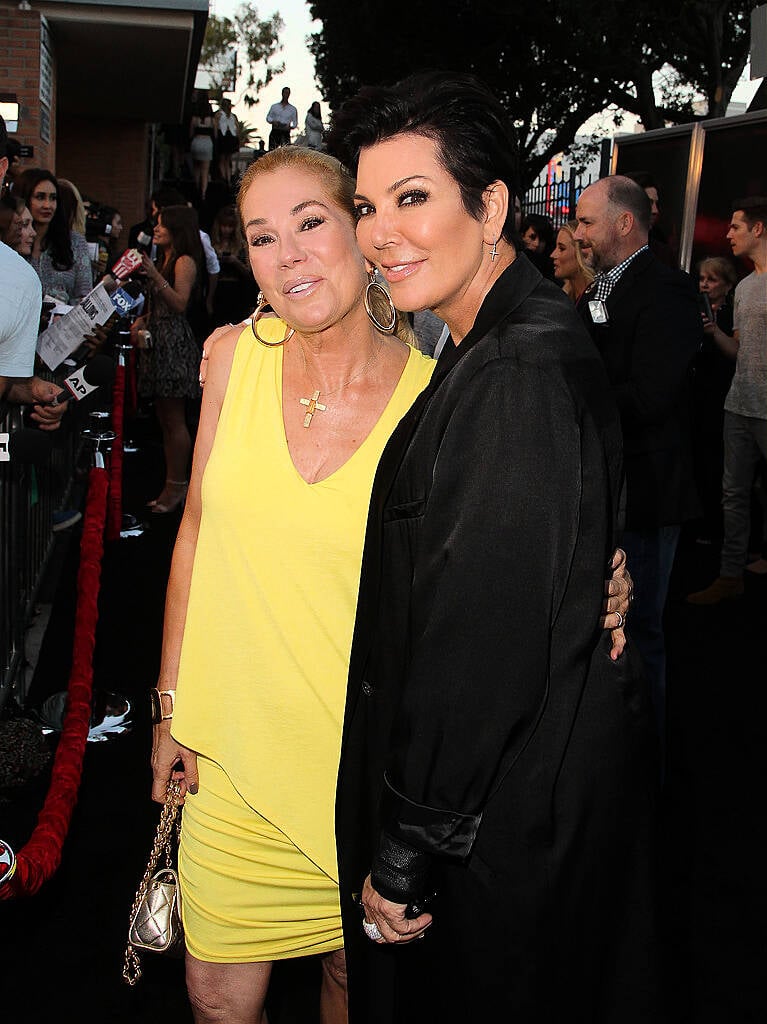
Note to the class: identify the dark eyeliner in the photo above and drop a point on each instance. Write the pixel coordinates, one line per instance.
(417, 196)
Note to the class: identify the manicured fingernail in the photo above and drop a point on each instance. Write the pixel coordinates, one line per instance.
(193, 788)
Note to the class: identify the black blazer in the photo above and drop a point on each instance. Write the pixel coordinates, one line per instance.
(649, 343)
(486, 728)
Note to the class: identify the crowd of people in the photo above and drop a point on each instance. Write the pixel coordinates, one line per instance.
(395, 684)
(185, 285)
(202, 149)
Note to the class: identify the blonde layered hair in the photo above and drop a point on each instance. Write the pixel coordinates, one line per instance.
(588, 274)
(331, 172)
(79, 212)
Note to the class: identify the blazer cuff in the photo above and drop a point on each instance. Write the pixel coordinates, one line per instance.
(441, 833)
(398, 871)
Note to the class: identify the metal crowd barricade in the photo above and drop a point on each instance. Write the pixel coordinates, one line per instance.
(31, 489)
(555, 198)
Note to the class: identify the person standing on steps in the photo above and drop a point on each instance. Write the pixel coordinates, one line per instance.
(283, 117)
(227, 139)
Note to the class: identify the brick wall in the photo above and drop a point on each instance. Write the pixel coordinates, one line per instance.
(20, 74)
(108, 161)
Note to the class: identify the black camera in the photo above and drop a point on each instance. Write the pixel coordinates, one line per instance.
(98, 223)
(705, 306)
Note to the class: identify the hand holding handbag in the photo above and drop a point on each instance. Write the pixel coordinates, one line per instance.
(155, 918)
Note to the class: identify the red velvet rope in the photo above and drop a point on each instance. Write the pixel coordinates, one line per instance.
(41, 855)
(131, 403)
(115, 516)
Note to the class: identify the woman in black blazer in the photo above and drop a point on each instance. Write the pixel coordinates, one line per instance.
(497, 777)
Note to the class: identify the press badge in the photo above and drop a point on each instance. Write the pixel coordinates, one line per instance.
(598, 311)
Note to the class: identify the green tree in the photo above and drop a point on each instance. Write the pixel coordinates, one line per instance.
(248, 134)
(553, 63)
(690, 51)
(237, 53)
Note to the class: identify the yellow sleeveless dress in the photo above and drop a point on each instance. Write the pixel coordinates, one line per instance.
(263, 671)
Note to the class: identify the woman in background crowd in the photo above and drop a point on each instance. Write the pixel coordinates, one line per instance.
(538, 239)
(59, 255)
(73, 205)
(235, 295)
(314, 130)
(569, 267)
(10, 220)
(227, 139)
(168, 370)
(713, 370)
(202, 131)
(26, 232)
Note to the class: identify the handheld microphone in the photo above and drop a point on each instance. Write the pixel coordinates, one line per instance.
(85, 379)
(127, 298)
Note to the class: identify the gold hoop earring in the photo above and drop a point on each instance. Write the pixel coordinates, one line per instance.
(257, 316)
(373, 284)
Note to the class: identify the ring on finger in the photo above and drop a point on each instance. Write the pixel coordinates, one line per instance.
(371, 930)
(621, 620)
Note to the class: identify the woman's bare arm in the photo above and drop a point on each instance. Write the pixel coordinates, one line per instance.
(166, 752)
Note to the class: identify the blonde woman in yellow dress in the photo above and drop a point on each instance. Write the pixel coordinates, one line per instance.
(263, 588)
(261, 599)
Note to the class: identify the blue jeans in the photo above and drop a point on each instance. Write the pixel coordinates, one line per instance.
(650, 558)
(745, 442)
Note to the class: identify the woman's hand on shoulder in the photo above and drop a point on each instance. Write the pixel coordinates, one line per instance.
(231, 332)
(218, 350)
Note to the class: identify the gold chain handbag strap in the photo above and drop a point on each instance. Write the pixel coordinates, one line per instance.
(162, 845)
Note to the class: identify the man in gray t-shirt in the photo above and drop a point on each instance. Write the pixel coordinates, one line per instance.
(745, 415)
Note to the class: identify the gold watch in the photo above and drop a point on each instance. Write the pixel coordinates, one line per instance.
(161, 712)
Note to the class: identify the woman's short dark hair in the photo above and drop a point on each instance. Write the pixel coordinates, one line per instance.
(475, 140)
(543, 227)
(57, 239)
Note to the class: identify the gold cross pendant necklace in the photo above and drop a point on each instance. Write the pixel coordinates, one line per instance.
(313, 404)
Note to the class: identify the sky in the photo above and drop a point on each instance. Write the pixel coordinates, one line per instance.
(299, 66)
(299, 63)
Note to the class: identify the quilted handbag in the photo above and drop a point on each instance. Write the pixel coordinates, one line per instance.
(155, 919)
